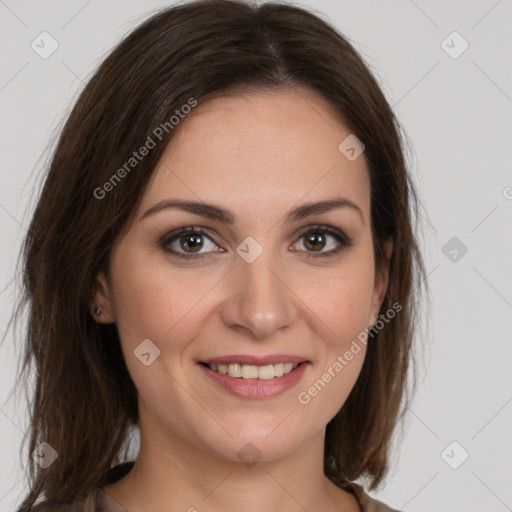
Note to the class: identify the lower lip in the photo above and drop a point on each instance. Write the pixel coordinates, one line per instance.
(256, 388)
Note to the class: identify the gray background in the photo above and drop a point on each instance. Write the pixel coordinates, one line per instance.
(458, 114)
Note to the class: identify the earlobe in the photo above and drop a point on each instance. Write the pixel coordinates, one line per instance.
(101, 307)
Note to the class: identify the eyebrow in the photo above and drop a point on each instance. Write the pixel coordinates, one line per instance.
(223, 215)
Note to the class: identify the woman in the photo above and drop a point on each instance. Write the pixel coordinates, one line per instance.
(222, 257)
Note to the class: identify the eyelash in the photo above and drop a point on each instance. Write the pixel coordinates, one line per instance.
(344, 241)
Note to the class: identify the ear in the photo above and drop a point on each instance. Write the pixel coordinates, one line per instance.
(101, 299)
(381, 283)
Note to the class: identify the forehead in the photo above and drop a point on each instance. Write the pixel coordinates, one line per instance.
(262, 149)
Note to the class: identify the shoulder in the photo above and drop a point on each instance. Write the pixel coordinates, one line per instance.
(94, 501)
(367, 503)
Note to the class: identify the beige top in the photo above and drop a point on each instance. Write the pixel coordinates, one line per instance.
(97, 500)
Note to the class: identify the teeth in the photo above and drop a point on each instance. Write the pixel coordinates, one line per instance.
(246, 371)
(279, 370)
(235, 370)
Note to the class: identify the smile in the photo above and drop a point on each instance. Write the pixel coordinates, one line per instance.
(252, 381)
(245, 371)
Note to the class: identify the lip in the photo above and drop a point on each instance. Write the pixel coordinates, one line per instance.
(256, 388)
(255, 360)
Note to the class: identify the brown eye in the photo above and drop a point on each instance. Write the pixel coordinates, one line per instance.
(188, 243)
(315, 241)
(193, 241)
(324, 241)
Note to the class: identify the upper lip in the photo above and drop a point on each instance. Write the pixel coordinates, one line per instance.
(254, 360)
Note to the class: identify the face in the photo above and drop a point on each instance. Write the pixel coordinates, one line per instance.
(256, 279)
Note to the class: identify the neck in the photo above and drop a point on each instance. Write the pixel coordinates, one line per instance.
(171, 475)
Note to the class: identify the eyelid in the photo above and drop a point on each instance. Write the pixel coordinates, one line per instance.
(344, 241)
(171, 236)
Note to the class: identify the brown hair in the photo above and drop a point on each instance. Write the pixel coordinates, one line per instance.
(84, 402)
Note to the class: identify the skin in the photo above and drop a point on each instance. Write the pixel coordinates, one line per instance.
(258, 155)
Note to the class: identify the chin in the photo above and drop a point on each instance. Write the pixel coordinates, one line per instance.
(257, 445)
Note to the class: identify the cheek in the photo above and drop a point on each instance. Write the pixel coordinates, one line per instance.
(342, 302)
(151, 302)
(149, 299)
(344, 309)
(344, 313)
(341, 299)
(341, 353)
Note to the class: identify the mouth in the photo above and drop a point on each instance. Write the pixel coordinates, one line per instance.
(255, 377)
(245, 371)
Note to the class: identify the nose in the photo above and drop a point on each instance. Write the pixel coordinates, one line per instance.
(260, 301)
